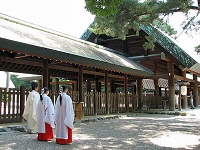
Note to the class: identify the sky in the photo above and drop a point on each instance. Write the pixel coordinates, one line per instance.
(67, 16)
(70, 17)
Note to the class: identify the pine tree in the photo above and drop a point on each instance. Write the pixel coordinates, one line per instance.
(116, 17)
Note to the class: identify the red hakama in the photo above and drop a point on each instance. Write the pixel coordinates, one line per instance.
(48, 135)
(65, 141)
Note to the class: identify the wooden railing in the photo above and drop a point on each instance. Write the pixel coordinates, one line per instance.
(92, 100)
(155, 102)
(12, 103)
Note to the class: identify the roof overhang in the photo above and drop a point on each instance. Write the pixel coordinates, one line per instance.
(36, 41)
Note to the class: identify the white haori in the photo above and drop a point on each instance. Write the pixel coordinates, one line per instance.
(30, 111)
(64, 116)
(45, 113)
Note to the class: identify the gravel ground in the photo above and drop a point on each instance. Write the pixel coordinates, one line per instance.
(137, 132)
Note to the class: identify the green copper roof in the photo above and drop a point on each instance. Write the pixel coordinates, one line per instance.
(170, 46)
(164, 41)
(26, 38)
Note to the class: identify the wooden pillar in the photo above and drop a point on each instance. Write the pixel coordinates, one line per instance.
(22, 101)
(50, 86)
(140, 93)
(185, 102)
(56, 85)
(89, 86)
(133, 99)
(165, 92)
(57, 90)
(95, 103)
(156, 92)
(196, 95)
(107, 93)
(199, 94)
(46, 75)
(97, 85)
(80, 83)
(39, 85)
(184, 75)
(7, 80)
(76, 85)
(112, 86)
(171, 85)
(126, 92)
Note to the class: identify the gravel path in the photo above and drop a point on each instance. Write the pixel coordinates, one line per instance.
(137, 132)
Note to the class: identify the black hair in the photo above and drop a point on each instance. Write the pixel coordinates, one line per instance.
(60, 99)
(34, 85)
(63, 87)
(45, 90)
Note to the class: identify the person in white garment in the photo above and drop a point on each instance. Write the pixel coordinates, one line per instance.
(64, 117)
(45, 116)
(30, 108)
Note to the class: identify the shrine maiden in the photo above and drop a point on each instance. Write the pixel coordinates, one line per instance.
(64, 117)
(45, 116)
(30, 108)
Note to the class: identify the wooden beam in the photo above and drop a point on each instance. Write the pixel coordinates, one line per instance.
(56, 62)
(20, 71)
(115, 76)
(20, 61)
(63, 68)
(184, 79)
(94, 73)
(191, 71)
(163, 76)
(148, 57)
(18, 56)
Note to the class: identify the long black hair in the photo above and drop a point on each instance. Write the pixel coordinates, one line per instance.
(34, 85)
(45, 90)
(63, 88)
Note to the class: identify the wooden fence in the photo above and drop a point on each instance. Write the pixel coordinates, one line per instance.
(12, 103)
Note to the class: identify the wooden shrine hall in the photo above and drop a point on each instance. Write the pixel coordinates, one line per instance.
(107, 74)
(168, 61)
(27, 48)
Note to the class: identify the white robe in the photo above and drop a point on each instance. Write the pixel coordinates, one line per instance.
(176, 97)
(45, 113)
(64, 116)
(30, 111)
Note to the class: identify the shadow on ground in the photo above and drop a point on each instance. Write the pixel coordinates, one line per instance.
(140, 132)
